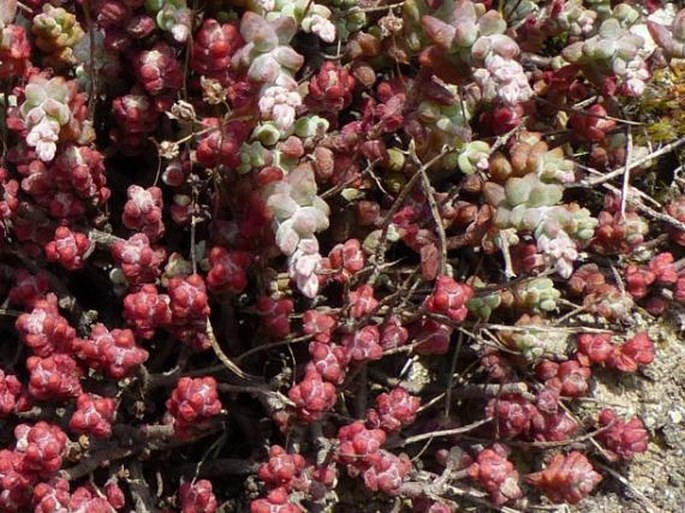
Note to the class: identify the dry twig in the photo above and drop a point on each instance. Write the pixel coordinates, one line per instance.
(230, 365)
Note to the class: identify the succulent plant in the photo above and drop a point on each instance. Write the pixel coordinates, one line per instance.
(496, 474)
(527, 204)
(172, 16)
(473, 157)
(568, 478)
(536, 295)
(498, 74)
(613, 51)
(45, 111)
(572, 17)
(57, 33)
(288, 132)
(310, 17)
(272, 61)
(463, 23)
(298, 215)
(530, 154)
(670, 38)
(537, 342)
(482, 306)
(267, 54)
(15, 49)
(279, 104)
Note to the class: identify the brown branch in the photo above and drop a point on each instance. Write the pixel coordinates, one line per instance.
(272, 345)
(626, 171)
(628, 166)
(272, 399)
(230, 365)
(446, 487)
(132, 441)
(220, 467)
(102, 458)
(379, 256)
(439, 434)
(433, 204)
(580, 112)
(649, 505)
(140, 490)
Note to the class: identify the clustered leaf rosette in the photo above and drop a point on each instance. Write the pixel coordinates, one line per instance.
(599, 296)
(68, 248)
(44, 330)
(464, 21)
(115, 352)
(471, 36)
(12, 394)
(627, 357)
(496, 474)
(45, 111)
(450, 298)
(54, 377)
(189, 305)
(527, 204)
(193, 403)
(298, 214)
(41, 448)
(290, 473)
(660, 272)
(536, 295)
(54, 496)
(474, 157)
(568, 478)
(482, 305)
(394, 410)
(198, 497)
(311, 17)
(229, 270)
(615, 51)
(530, 153)
(213, 49)
(501, 76)
(593, 126)
(360, 449)
(93, 415)
(332, 88)
(147, 310)
(172, 16)
(143, 211)
(15, 48)
(558, 18)
(535, 341)
(140, 263)
(57, 32)
(313, 396)
(158, 70)
(278, 500)
(136, 117)
(270, 60)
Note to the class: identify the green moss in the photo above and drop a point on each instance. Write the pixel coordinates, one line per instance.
(661, 131)
(660, 109)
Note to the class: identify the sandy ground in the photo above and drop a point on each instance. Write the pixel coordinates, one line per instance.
(653, 481)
